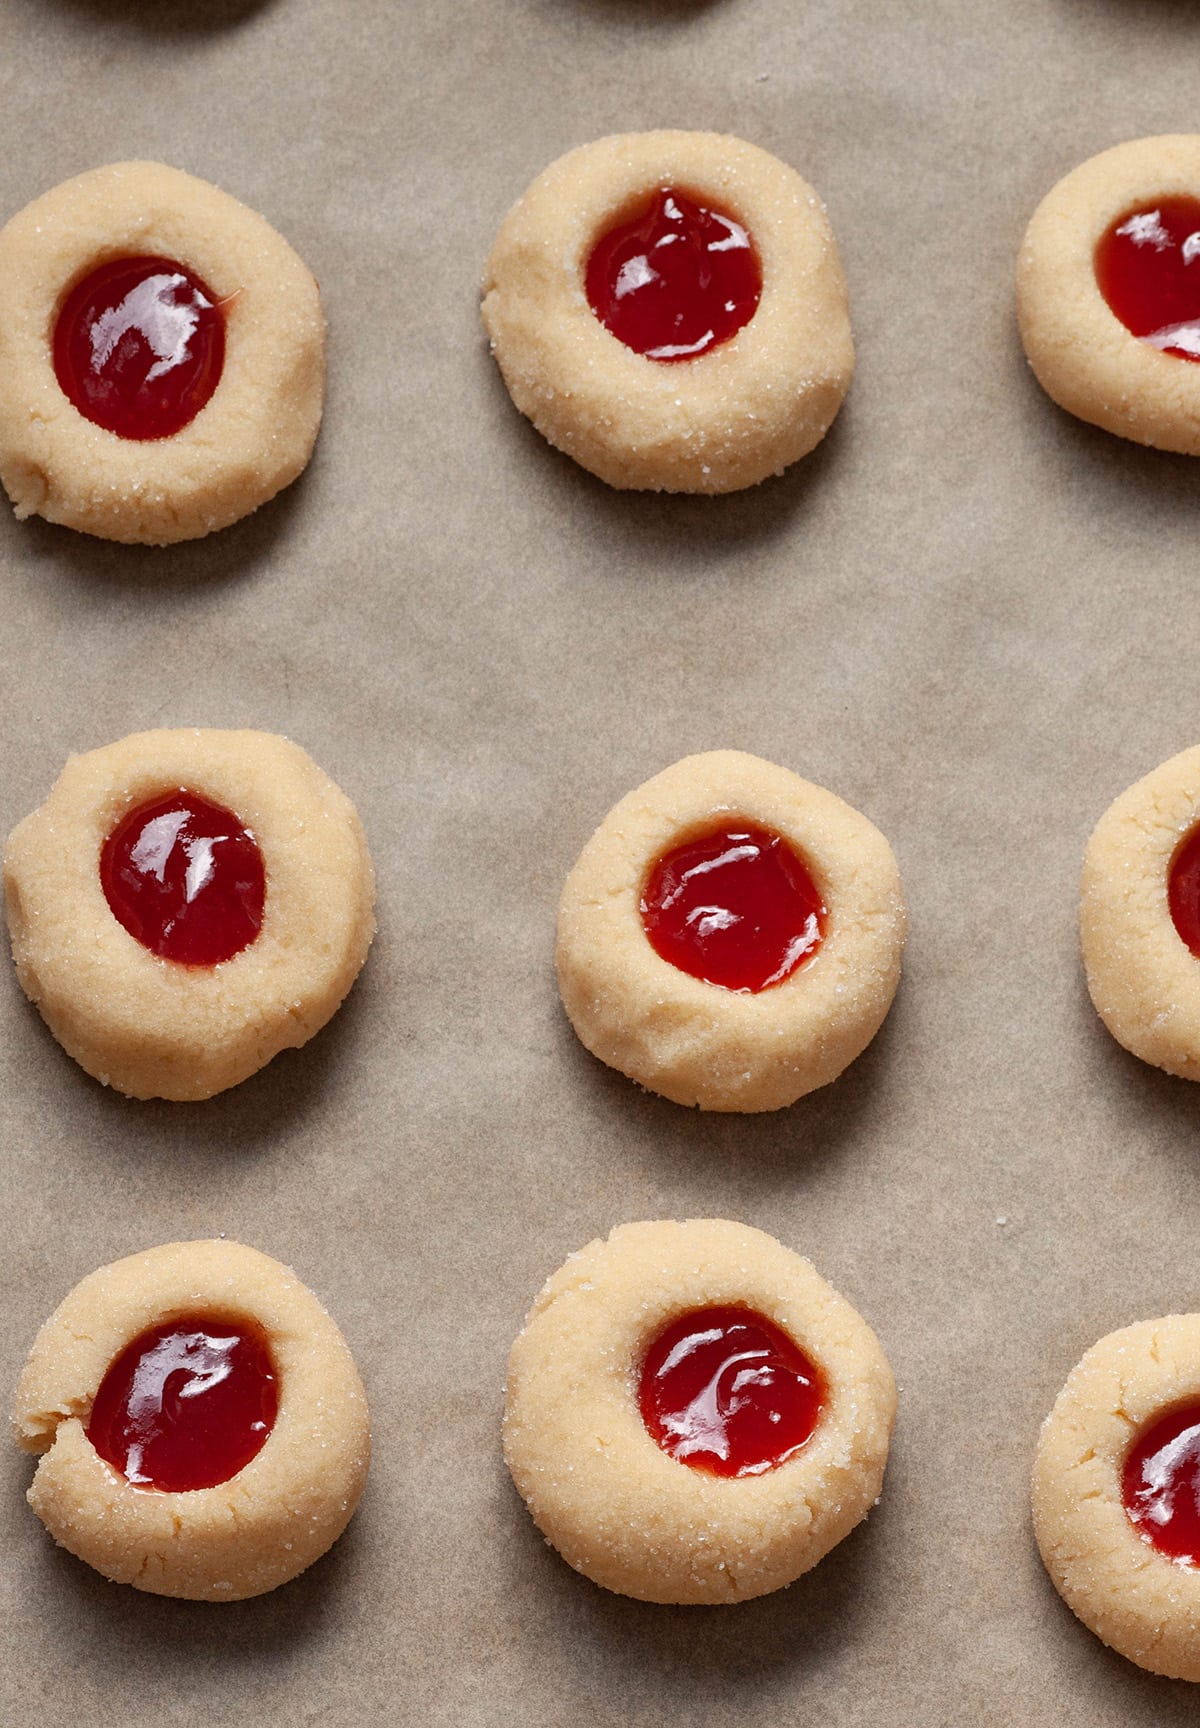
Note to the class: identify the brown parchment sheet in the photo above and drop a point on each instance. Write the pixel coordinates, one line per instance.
(967, 614)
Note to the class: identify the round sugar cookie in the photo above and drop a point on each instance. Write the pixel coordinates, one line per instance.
(250, 438)
(722, 419)
(143, 1021)
(610, 1499)
(1101, 1450)
(1143, 977)
(247, 1533)
(703, 1043)
(1084, 356)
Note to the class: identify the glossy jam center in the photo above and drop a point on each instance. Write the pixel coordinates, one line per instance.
(725, 1390)
(676, 280)
(185, 877)
(139, 346)
(187, 1404)
(1148, 270)
(1161, 1485)
(736, 907)
(1183, 891)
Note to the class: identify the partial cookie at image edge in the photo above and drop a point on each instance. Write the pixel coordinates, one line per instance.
(1134, 1598)
(1081, 354)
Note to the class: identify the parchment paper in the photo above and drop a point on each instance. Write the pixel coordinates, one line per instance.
(966, 614)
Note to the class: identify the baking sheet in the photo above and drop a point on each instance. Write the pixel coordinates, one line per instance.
(965, 613)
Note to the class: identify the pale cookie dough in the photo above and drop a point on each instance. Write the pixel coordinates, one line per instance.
(695, 1042)
(1144, 980)
(723, 421)
(1081, 353)
(601, 1490)
(245, 1536)
(153, 1028)
(1143, 1604)
(255, 434)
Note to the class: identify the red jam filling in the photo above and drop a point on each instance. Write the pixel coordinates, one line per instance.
(187, 1405)
(1161, 1485)
(675, 280)
(1183, 892)
(725, 1390)
(1148, 269)
(185, 877)
(736, 908)
(139, 346)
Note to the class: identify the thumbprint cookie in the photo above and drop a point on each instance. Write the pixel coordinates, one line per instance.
(1139, 916)
(185, 905)
(692, 1414)
(162, 357)
(1108, 292)
(731, 935)
(1116, 1493)
(200, 1424)
(669, 309)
